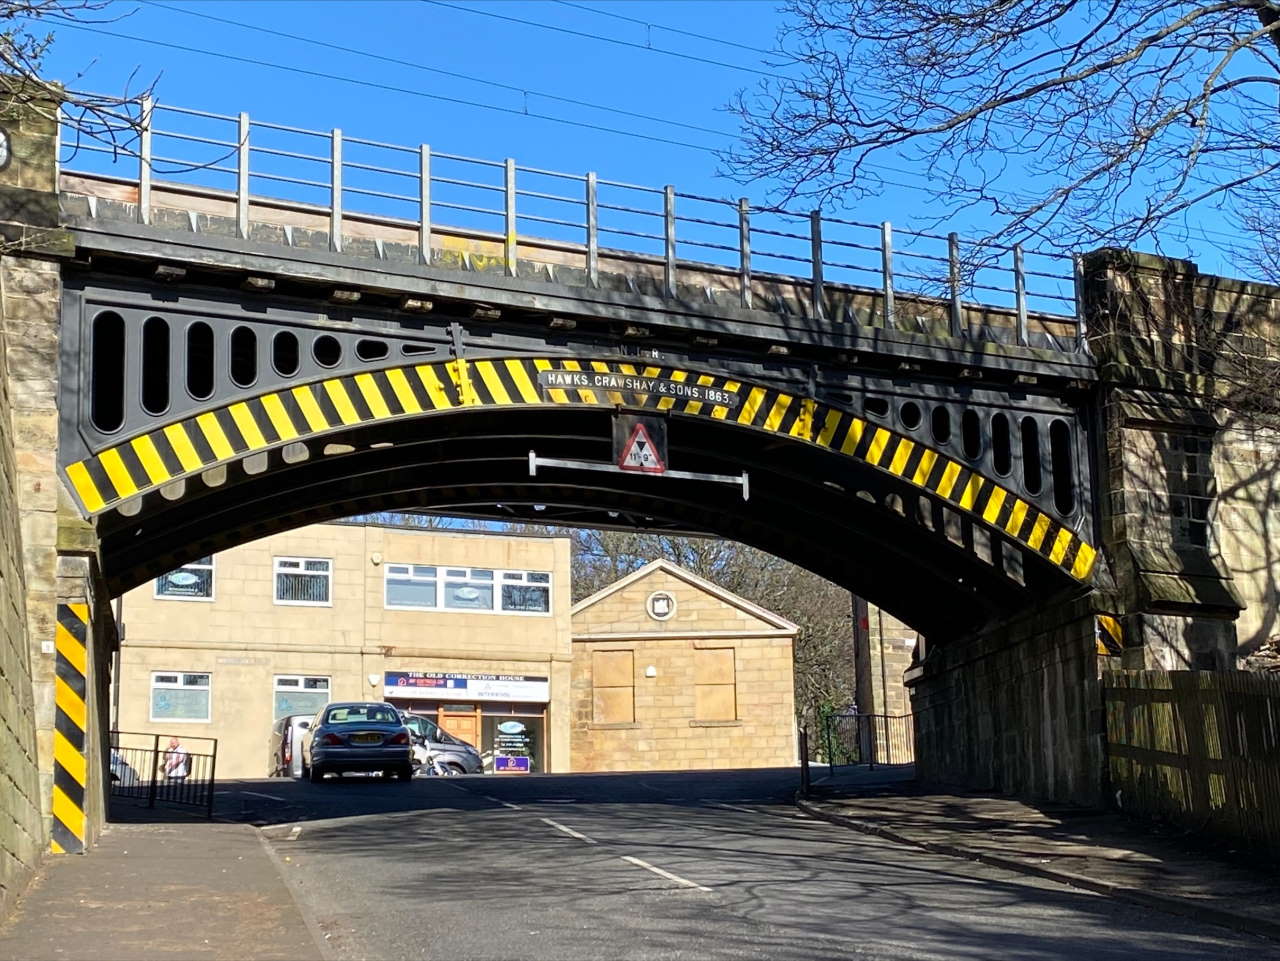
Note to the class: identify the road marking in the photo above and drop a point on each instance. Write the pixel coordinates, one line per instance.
(567, 830)
(505, 804)
(734, 807)
(773, 814)
(269, 797)
(665, 874)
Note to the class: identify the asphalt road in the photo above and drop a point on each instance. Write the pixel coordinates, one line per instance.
(656, 866)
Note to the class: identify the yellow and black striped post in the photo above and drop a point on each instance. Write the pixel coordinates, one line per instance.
(69, 766)
(1110, 635)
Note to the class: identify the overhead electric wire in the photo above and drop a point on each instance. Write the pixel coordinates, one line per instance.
(662, 26)
(509, 110)
(391, 88)
(343, 48)
(614, 40)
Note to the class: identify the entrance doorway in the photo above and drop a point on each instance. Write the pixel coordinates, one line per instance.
(460, 720)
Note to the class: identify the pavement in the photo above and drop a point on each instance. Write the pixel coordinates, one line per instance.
(177, 889)
(638, 866)
(1101, 851)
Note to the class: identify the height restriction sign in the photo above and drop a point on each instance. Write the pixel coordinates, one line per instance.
(640, 443)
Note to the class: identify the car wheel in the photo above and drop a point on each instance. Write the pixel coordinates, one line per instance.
(453, 770)
(405, 773)
(315, 775)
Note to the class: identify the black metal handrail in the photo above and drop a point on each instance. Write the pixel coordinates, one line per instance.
(150, 768)
(869, 739)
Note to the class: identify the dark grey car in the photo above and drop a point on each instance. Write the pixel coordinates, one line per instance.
(357, 736)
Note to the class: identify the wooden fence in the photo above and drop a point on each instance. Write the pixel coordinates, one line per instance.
(1199, 749)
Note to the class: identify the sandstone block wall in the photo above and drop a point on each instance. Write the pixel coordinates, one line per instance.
(709, 685)
(21, 827)
(880, 685)
(30, 290)
(666, 734)
(1191, 367)
(1016, 710)
(30, 293)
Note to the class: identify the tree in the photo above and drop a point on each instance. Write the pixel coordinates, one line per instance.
(1070, 124)
(108, 119)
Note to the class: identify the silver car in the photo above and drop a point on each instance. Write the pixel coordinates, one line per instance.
(357, 736)
(456, 756)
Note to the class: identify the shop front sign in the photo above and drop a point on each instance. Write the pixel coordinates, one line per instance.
(445, 686)
(512, 747)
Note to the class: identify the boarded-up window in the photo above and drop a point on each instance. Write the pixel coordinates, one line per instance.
(715, 685)
(613, 680)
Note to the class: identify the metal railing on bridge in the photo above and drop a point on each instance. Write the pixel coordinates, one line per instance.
(149, 769)
(683, 237)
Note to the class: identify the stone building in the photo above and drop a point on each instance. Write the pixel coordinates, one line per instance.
(671, 671)
(468, 628)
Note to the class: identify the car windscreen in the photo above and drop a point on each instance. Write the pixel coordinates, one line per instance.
(362, 714)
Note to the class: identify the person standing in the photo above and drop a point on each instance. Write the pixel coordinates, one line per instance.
(177, 761)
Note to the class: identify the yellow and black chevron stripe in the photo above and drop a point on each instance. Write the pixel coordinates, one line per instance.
(69, 767)
(197, 443)
(1110, 635)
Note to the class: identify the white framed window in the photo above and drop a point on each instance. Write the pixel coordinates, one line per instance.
(304, 580)
(526, 592)
(190, 582)
(299, 694)
(181, 696)
(468, 589)
(420, 587)
(413, 587)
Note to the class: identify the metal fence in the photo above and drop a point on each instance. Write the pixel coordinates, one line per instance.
(1197, 748)
(681, 234)
(151, 769)
(869, 739)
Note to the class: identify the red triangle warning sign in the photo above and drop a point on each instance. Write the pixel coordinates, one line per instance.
(640, 454)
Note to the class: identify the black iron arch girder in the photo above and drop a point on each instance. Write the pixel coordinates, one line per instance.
(860, 391)
(859, 544)
(115, 478)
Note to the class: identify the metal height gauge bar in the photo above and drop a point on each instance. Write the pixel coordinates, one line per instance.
(744, 480)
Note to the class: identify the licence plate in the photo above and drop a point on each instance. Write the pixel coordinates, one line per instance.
(366, 739)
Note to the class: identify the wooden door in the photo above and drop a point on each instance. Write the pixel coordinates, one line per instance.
(465, 727)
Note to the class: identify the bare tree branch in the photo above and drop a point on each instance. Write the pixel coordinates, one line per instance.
(1070, 123)
(106, 119)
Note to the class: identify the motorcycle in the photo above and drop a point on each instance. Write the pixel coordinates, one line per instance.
(427, 763)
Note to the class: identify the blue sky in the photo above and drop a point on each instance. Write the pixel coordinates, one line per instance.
(469, 77)
(448, 38)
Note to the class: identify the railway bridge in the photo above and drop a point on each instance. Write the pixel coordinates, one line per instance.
(241, 327)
